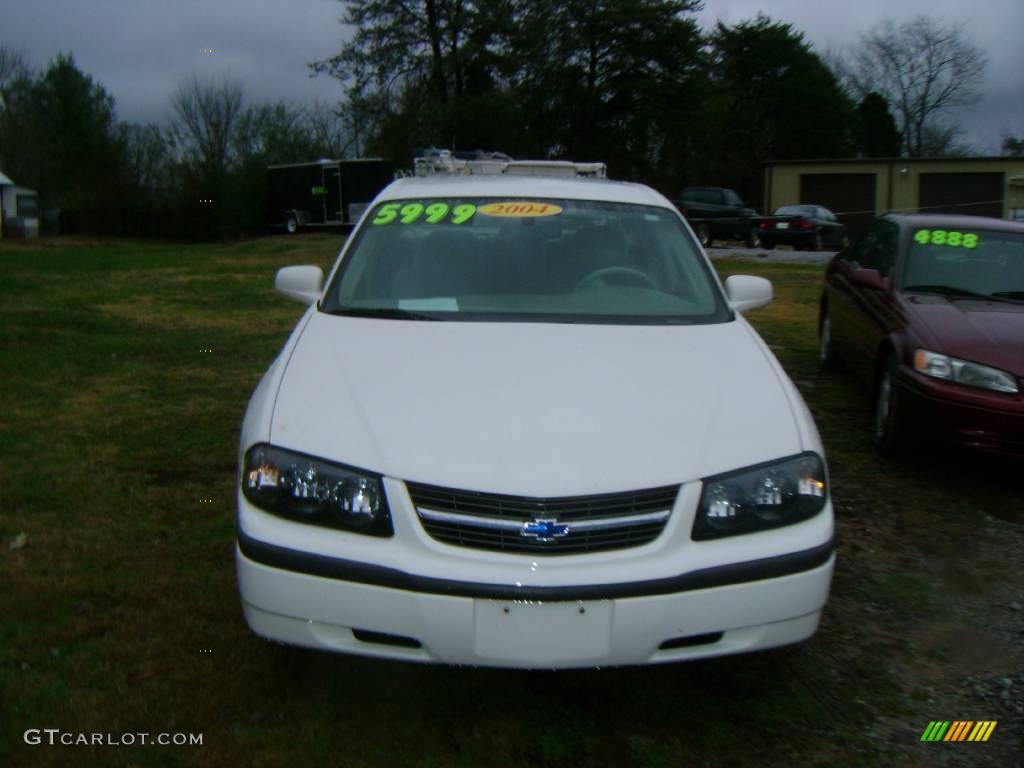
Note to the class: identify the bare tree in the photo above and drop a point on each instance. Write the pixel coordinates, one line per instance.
(205, 114)
(145, 155)
(924, 68)
(273, 133)
(12, 65)
(327, 129)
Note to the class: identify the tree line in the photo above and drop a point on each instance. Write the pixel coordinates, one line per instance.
(634, 83)
(200, 176)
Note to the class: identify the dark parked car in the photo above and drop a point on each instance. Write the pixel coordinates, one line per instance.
(716, 213)
(811, 227)
(929, 311)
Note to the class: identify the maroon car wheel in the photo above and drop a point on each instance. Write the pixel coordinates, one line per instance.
(826, 351)
(888, 434)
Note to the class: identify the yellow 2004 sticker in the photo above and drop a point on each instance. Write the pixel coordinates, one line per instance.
(519, 209)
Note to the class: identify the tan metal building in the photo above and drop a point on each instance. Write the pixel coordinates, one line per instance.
(858, 190)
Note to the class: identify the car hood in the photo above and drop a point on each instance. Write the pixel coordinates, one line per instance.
(534, 408)
(986, 332)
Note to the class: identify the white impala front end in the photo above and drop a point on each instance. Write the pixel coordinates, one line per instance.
(531, 490)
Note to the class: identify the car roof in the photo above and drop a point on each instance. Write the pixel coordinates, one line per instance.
(500, 185)
(955, 221)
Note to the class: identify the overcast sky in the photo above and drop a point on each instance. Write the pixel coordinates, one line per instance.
(139, 50)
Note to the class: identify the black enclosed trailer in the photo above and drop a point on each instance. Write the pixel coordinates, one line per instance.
(325, 193)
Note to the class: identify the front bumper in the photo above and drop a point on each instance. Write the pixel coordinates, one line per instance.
(794, 237)
(990, 423)
(340, 605)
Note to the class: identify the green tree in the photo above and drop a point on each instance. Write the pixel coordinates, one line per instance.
(877, 135)
(774, 99)
(612, 80)
(410, 57)
(59, 135)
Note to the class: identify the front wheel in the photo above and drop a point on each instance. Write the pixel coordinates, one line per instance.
(704, 235)
(826, 351)
(753, 235)
(291, 225)
(889, 438)
(816, 242)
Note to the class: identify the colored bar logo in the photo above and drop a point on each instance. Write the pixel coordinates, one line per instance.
(958, 730)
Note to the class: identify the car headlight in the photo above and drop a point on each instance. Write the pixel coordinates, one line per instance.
(963, 372)
(315, 491)
(764, 496)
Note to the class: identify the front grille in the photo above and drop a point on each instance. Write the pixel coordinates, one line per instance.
(559, 526)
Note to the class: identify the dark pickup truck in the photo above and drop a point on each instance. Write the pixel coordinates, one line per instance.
(716, 213)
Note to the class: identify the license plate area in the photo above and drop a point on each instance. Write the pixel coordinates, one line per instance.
(541, 633)
(782, 225)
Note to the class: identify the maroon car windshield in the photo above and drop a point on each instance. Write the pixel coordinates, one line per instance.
(966, 262)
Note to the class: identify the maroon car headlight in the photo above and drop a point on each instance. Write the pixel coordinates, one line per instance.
(311, 490)
(964, 372)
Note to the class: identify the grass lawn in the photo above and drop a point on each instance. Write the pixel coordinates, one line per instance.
(124, 372)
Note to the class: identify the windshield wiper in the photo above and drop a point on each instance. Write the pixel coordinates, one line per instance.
(947, 290)
(1013, 296)
(384, 313)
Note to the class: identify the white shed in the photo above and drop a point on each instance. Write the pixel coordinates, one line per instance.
(19, 209)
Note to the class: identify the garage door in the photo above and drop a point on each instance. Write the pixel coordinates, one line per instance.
(850, 196)
(977, 194)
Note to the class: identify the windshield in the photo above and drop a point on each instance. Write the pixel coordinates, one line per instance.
(966, 263)
(525, 260)
(796, 210)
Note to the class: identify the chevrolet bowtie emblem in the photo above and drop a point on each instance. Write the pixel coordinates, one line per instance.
(544, 529)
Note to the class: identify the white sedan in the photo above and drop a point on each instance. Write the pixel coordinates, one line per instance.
(522, 424)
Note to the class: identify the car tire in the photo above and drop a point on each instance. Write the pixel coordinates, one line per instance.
(827, 359)
(753, 237)
(844, 242)
(704, 235)
(816, 242)
(291, 224)
(889, 437)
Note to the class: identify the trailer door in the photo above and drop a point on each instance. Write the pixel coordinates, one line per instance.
(361, 181)
(332, 195)
(315, 180)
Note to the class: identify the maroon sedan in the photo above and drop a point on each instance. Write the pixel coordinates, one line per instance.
(928, 310)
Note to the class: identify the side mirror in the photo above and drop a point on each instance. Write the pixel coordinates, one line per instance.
(747, 292)
(300, 283)
(868, 278)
